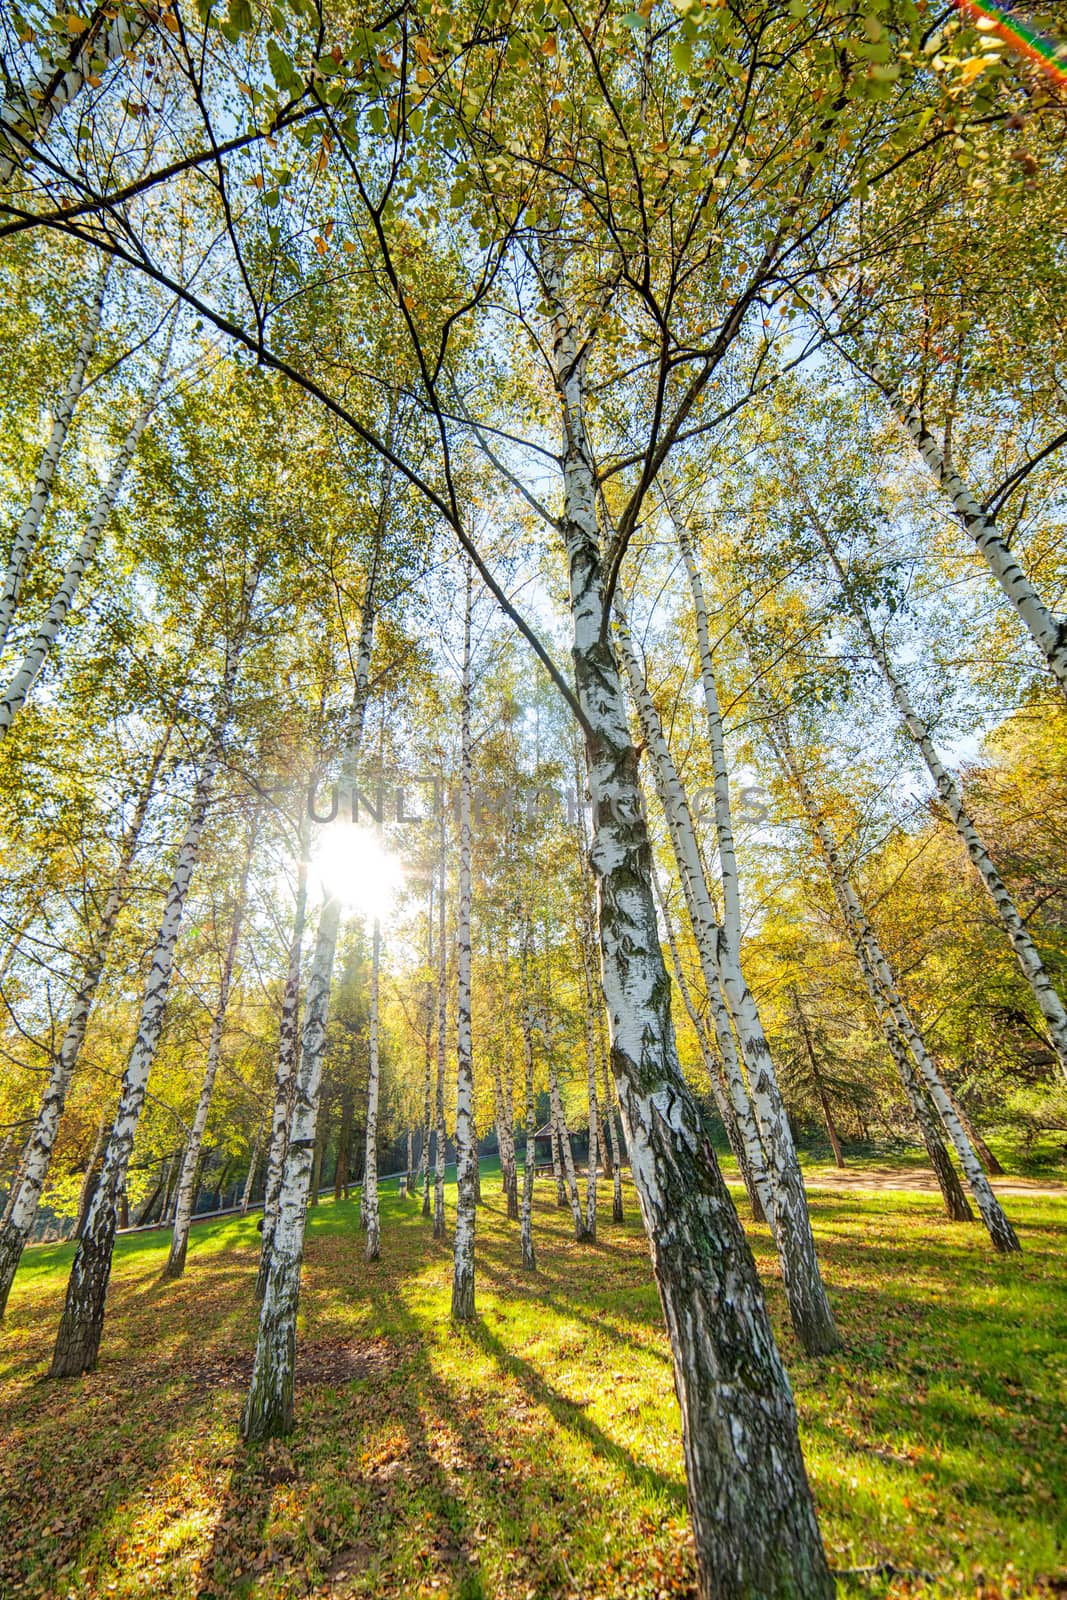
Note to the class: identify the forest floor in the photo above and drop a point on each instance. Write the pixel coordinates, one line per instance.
(538, 1453)
(918, 1180)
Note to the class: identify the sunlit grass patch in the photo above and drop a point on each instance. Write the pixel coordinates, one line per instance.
(537, 1452)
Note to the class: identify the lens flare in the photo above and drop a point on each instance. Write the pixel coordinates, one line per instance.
(1019, 36)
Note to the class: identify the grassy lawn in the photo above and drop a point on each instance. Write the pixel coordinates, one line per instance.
(538, 1454)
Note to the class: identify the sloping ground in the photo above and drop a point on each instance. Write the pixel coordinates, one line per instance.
(537, 1455)
(919, 1180)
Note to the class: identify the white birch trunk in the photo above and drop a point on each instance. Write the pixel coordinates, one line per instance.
(724, 828)
(442, 1035)
(27, 114)
(370, 1207)
(565, 1150)
(423, 1178)
(956, 1207)
(585, 939)
(1048, 631)
(784, 1197)
(594, 1107)
(999, 1228)
(506, 1141)
(287, 1064)
(529, 1258)
(26, 1193)
(268, 1407)
(717, 1073)
(82, 1324)
(37, 653)
(466, 1144)
(753, 1519)
(614, 1141)
(1030, 963)
(253, 1164)
(183, 1210)
(26, 534)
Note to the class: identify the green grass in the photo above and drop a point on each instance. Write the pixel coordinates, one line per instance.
(537, 1454)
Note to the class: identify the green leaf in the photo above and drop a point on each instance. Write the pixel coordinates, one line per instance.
(240, 16)
(682, 55)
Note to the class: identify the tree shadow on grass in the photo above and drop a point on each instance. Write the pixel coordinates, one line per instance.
(573, 1417)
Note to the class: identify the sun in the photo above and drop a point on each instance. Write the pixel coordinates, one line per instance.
(353, 865)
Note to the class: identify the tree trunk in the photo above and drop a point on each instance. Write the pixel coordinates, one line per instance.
(371, 1211)
(442, 1034)
(466, 1144)
(288, 1061)
(25, 117)
(1043, 626)
(14, 696)
(585, 940)
(753, 1518)
(716, 1074)
(143, 1211)
(423, 1177)
(405, 1182)
(556, 1147)
(817, 1080)
(1000, 1229)
(268, 1408)
(614, 1142)
(529, 1169)
(566, 1152)
(784, 1197)
(253, 1163)
(82, 1324)
(33, 1172)
(342, 1164)
(183, 1209)
(26, 534)
(92, 1174)
(594, 1109)
(318, 1155)
(1033, 968)
(985, 1155)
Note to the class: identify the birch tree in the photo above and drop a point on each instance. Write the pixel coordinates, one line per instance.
(529, 1163)
(25, 1194)
(25, 538)
(14, 696)
(190, 1167)
(466, 1142)
(29, 108)
(707, 1281)
(1030, 963)
(268, 1408)
(717, 1078)
(82, 1324)
(1047, 630)
(288, 1058)
(442, 1035)
(999, 1228)
(784, 1196)
(369, 1198)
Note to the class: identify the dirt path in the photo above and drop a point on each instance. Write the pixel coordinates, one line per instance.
(919, 1180)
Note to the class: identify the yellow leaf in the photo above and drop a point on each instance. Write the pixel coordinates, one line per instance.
(549, 46)
(76, 24)
(973, 68)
